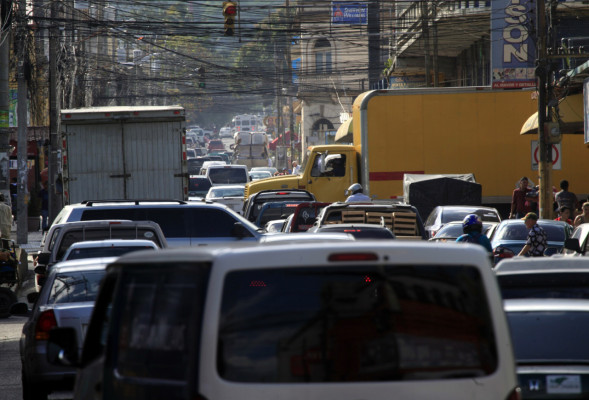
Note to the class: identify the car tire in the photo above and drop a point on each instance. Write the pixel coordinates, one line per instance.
(31, 391)
(7, 299)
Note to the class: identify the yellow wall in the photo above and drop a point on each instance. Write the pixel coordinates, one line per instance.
(475, 132)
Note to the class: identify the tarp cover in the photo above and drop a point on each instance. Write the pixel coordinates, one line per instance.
(425, 192)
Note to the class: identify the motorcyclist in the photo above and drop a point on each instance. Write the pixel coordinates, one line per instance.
(356, 194)
(472, 226)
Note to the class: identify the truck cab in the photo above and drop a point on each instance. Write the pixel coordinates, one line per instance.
(328, 172)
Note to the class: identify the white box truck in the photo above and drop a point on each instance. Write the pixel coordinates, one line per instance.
(250, 149)
(121, 153)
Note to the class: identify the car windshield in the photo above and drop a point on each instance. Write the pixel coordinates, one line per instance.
(378, 323)
(570, 285)
(104, 251)
(518, 231)
(458, 215)
(227, 175)
(549, 336)
(74, 287)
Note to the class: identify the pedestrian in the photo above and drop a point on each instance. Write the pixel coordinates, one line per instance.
(566, 198)
(583, 218)
(13, 197)
(564, 214)
(536, 242)
(355, 194)
(296, 168)
(5, 218)
(472, 226)
(522, 199)
(44, 195)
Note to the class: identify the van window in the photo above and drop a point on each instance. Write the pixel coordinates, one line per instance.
(80, 235)
(160, 315)
(355, 324)
(227, 175)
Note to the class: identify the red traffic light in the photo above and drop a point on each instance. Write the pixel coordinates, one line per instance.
(229, 8)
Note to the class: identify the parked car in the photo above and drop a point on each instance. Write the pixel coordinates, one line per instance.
(107, 248)
(253, 203)
(66, 300)
(198, 187)
(549, 342)
(443, 214)
(335, 319)
(256, 175)
(360, 231)
(183, 223)
(230, 195)
(543, 277)
(511, 234)
(453, 230)
(215, 145)
(578, 243)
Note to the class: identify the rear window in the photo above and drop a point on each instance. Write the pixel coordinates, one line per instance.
(272, 213)
(199, 185)
(545, 285)
(159, 308)
(554, 233)
(75, 287)
(82, 235)
(458, 215)
(103, 251)
(227, 175)
(550, 336)
(355, 324)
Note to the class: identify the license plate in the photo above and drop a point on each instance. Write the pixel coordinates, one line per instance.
(563, 384)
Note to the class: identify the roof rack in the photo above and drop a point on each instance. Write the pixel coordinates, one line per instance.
(90, 203)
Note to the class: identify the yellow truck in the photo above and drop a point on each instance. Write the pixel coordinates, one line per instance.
(435, 131)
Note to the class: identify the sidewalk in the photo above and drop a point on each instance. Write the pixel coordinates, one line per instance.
(33, 244)
(31, 248)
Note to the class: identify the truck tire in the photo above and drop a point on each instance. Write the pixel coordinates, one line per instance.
(7, 299)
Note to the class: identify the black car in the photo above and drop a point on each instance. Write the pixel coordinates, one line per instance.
(198, 186)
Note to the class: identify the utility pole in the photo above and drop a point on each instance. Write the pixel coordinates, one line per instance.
(546, 197)
(288, 39)
(54, 105)
(373, 42)
(23, 145)
(4, 97)
(425, 34)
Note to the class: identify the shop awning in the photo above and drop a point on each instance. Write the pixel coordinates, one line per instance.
(345, 132)
(571, 117)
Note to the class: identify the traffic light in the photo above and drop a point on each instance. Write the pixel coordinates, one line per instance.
(201, 77)
(229, 12)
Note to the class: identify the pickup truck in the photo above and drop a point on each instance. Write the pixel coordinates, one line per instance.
(402, 219)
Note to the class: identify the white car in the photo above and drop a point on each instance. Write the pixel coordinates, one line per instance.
(230, 195)
(106, 248)
(225, 132)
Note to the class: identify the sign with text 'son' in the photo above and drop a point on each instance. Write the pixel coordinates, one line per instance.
(556, 156)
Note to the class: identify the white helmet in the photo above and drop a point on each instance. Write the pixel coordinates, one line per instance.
(355, 188)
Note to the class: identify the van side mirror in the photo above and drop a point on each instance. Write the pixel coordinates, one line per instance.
(573, 244)
(62, 347)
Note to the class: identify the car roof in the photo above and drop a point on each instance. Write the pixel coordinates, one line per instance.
(545, 304)
(305, 237)
(83, 263)
(465, 207)
(540, 221)
(530, 265)
(329, 227)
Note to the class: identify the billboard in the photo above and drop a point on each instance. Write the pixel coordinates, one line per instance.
(513, 48)
(346, 13)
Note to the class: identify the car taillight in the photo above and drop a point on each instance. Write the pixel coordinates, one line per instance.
(45, 323)
(503, 252)
(515, 394)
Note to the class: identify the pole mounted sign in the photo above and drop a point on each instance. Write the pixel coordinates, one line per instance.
(556, 156)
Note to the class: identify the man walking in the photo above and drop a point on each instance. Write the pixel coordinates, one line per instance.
(536, 243)
(5, 218)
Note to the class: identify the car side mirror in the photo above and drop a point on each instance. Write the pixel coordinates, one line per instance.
(62, 347)
(572, 244)
(239, 231)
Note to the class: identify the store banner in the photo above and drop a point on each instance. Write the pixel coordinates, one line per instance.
(349, 13)
(513, 44)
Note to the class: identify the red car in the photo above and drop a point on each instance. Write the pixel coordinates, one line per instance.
(216, 145)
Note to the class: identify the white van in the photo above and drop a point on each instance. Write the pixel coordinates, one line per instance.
(233, 174)
(343, 320)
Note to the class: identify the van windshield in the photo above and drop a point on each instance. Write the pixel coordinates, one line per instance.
(359, 323)
(227, 175)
